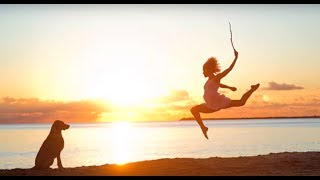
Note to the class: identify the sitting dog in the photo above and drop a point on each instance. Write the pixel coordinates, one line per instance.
(51, 147)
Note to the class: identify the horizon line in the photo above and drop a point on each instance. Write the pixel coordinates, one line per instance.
(182, 119)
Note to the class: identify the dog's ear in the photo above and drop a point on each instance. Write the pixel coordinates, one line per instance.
(56, 125)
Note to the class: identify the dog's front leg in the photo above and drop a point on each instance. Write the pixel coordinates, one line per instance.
(59, 162)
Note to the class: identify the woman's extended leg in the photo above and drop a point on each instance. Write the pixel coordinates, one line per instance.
(244, 98)
(196, 114)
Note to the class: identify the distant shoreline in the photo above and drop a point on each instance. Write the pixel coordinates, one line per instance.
(183, 119)
(248, 118)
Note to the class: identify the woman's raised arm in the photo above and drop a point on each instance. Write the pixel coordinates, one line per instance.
(225, 72)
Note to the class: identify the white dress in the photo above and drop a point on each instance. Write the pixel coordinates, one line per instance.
(213, 99)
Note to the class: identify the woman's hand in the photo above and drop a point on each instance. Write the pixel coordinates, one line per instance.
(235, 53)
(233, 88)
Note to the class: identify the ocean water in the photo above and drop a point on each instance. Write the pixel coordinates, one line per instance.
(123, 142)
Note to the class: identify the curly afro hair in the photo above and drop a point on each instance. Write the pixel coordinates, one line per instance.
(212, 63)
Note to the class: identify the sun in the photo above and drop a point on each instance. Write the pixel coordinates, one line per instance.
(130, 92)
(130, 86)
(265, 98)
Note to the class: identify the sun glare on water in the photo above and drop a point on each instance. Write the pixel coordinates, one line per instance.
(121, 134)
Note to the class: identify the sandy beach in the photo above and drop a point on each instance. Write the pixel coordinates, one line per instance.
(283, 164)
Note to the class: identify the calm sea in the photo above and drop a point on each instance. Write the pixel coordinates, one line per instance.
(110, 143)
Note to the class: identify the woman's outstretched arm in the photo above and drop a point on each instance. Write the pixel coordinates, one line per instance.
(225, 72)
(226, 86)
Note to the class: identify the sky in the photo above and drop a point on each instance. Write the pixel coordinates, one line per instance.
(143, 62)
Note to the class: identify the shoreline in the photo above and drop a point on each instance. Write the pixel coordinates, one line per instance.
(182, 119)
(283, 164)
(254, 118)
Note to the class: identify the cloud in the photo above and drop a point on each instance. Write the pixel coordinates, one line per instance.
(283, 86)
(316, 99)
(175, 106)
(33, 110)
(299, 99)
(177, 95)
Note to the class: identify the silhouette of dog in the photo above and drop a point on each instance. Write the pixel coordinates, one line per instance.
(51, 147)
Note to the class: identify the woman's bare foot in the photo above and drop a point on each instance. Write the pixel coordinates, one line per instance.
(204, 131)
(255, 87)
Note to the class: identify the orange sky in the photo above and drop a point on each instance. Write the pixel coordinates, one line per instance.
(86, 63)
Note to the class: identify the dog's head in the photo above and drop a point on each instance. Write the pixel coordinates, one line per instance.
(60, 125)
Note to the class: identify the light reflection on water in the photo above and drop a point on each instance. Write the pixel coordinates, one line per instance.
(109, 143)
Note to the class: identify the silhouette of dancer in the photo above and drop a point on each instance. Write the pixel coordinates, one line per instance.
(215, 101)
